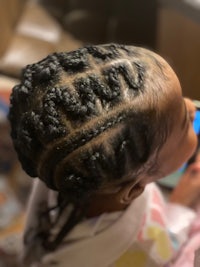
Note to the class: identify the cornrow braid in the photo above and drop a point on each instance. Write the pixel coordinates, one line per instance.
(83, 119)
(68, 99)
(66, 146)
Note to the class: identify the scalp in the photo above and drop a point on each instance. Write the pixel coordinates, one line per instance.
(68, 100)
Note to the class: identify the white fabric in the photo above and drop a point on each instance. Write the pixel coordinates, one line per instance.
(111, 233)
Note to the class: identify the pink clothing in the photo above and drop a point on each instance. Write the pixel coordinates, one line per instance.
(187, 255)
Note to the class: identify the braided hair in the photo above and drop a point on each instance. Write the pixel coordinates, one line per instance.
(83, 119)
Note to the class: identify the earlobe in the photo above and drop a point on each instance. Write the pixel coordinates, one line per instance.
(129, 192)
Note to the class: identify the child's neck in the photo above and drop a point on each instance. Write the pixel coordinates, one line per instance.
(104, 203)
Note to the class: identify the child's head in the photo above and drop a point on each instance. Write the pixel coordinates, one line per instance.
(98, 118)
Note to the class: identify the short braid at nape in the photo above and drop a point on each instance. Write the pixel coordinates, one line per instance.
(73, 100)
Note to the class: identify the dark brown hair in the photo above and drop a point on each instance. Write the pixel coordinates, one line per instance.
(83, 119)
(75, 118)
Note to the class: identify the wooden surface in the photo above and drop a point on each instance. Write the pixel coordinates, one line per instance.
(178, 41)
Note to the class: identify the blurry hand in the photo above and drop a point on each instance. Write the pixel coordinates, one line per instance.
(187, 192)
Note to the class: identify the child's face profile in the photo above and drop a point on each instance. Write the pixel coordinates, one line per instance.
(178, 148)
(182, 141)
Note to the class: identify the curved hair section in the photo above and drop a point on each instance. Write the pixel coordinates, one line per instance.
(73, 118)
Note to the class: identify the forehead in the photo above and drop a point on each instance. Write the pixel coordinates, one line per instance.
(172, 97)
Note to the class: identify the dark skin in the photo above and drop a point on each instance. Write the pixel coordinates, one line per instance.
(111, 202)
(186, 193)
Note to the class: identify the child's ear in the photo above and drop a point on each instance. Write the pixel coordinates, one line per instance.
(129, 191)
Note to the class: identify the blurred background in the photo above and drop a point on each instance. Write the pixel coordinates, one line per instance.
(32, 29)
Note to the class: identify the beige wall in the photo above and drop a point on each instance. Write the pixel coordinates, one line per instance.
(10, 11)
(179, 42)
